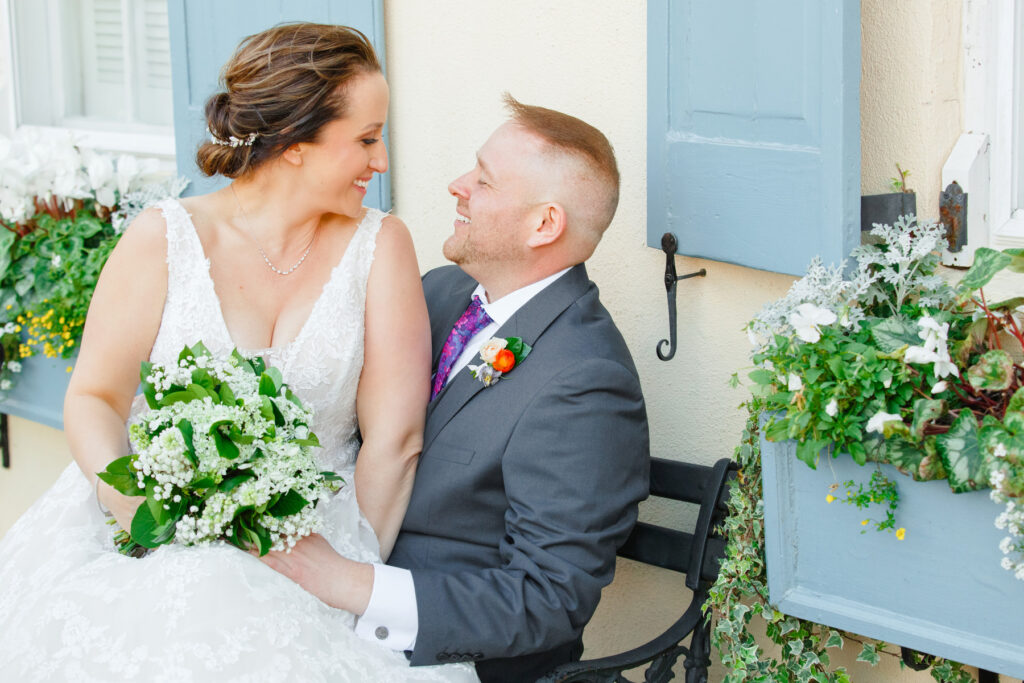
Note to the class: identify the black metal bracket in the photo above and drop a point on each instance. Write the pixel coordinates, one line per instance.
(669, 246)
(5, 444)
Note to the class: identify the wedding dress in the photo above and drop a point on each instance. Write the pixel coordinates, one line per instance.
(73, 609)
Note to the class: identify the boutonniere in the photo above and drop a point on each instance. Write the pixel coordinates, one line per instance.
(499, 356)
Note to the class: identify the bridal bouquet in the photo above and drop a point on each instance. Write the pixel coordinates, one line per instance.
(224, 453)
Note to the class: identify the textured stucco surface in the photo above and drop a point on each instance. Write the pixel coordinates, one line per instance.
(911, 94)
(449, 62)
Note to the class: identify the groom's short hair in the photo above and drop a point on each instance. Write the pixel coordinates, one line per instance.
(598, 172)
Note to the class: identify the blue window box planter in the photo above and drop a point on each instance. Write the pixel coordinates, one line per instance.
(39, 389)
(941, 590)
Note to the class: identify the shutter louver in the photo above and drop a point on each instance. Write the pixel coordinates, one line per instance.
(103, 59)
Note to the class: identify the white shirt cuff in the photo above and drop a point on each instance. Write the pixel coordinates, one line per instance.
(391, 618)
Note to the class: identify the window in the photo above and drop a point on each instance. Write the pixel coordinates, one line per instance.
(994, 106)
(99, 67)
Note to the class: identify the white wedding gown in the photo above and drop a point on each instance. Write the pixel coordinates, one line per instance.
(73, 609)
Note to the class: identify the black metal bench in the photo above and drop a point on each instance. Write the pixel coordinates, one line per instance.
(697, 555)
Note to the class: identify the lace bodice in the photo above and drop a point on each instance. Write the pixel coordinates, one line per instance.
(322, 364)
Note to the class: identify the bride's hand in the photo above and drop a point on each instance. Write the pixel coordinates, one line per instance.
(123, 507)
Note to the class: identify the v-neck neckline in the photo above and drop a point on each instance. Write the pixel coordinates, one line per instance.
(316, 304)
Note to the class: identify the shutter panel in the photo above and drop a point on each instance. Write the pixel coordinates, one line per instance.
(754, 129)
(153, 63)
(103, 59)
(204, 35)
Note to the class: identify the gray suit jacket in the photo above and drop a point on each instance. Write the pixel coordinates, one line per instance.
(525, 489)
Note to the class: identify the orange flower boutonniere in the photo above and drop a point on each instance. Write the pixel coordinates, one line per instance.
(499, 356)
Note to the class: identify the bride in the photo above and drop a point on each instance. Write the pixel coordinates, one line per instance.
(284, 263)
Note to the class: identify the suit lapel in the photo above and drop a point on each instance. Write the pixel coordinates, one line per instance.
(529, 323)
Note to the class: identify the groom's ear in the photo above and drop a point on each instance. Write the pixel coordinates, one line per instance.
(549, 226)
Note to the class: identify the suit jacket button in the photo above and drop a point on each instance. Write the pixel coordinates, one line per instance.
(381, 632)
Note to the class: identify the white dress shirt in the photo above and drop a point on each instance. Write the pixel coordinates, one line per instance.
(391, 617)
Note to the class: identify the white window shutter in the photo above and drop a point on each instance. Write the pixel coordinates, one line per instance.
(152, 82)
(103, 59)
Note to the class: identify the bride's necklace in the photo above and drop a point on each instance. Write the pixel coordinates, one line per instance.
(263, 253)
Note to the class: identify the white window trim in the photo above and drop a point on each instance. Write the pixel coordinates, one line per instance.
(150, 141)
(990, 56)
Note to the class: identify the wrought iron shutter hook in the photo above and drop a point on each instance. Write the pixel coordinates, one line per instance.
(669, 246)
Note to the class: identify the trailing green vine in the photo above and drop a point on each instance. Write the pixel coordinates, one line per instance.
(740, 594)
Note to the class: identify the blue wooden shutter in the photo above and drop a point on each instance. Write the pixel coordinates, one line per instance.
(754, 129)
(204, 34)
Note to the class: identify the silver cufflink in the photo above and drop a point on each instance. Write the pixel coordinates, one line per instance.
(381, 632)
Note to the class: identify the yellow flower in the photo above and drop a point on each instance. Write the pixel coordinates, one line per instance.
(865, 522)
(10, 306)
(68, 369)
(71, 342)
(829, 498)
(900, 533)
(61, 321)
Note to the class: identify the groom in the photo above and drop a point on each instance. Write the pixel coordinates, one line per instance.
(525, 488)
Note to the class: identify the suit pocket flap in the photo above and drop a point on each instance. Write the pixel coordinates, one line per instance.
(443, 451)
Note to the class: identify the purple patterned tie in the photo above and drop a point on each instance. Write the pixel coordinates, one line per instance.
(472, 321)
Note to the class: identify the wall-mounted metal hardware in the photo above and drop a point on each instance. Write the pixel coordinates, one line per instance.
(953, 214)
(669, 246)
(5, 443)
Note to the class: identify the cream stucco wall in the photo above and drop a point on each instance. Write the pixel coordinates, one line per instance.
(449, 62)
(911, 94)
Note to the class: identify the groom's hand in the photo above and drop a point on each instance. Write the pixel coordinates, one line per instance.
(317, 567)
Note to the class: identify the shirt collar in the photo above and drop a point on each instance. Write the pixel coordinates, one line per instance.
(505, 307)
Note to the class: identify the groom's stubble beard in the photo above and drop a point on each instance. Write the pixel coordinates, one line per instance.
(477, 257)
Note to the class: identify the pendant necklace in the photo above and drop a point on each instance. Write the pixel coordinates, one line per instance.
(263, 253)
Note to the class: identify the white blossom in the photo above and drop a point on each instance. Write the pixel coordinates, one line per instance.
(808, 318)
(877, 422)
(794, 383)
(832, 408)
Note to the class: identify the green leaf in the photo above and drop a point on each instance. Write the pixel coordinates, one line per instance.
(892, 334)
(1007, 304)
(310, 440)
(201, 376)
(121, 475)
(289, 504)
(187, 432)
(987, 262)
(925, 410)
(176, 397)
(809, 449)
(236, 435)
(243, 362)
(259, 366)
(962, 456)
(203, 482)
(904, 456)
(777, 430)
(1016, 404)
(227, 396)
(761, 376)
(278, 415)
(200, 392)
(266, 408)
(1017, 262)
(199, 349)
(993, 371)
(147, 532)
(834, 640)
(868, 654)
(185, 354)
(270, 382)
(226, 448)
(6, 242)
(232, 482)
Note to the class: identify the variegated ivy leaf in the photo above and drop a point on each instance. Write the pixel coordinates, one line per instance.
(987, 262)
(962, 455)
(993, 372)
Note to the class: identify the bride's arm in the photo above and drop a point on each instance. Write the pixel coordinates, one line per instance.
(394, 385)
(122, 323)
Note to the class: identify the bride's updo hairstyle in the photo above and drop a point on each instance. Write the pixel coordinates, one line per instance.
(280, 88)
